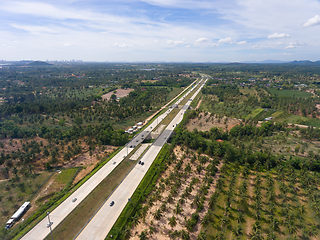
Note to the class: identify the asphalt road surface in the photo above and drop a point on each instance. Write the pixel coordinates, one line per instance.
(102, 222)
(40, 231)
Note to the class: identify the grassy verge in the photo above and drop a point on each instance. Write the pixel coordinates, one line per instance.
(184, 101)
(170, 116)
(125, 220)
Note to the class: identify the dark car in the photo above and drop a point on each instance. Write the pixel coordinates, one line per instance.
(142, 163)
(139, 162)
(112, 203)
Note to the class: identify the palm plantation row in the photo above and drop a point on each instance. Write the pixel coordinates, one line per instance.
(180, 198)
(277, 204)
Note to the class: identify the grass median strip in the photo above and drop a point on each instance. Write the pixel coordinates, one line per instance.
(73, 223)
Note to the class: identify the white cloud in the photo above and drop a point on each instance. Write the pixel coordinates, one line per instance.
(290, 46)
(214, 45)
(243, 43)
(175, 43)
(312, 21)
(225, 40)
(187, 46)
(123, 45)
(255, 46)
(34, 29)
(295, 44)
(279, 35)
(201, 41)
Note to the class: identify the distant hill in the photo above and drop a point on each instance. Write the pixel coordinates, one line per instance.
(38, 63)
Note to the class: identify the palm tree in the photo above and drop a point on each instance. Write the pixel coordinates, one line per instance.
(144, 212)
(202, 236)
(143, 235)
(291, 227)
(237, 231)
(206, 219)
(256, 226)
(271, 236)
(172, 221)
(178, 209)
(256, 235)
(240, 217)
(301, 210)
(274, 224)
(311, 231)
(127, 232)
(224, 221)
(158, 214)
(185, 235)
(169, 198)
(135, 219)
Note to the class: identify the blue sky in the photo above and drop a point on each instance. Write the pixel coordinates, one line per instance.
(160, 30)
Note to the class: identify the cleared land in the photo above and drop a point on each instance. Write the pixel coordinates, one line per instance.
(119, 93)
(206, 121)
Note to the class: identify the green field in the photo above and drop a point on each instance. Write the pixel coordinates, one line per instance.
(314, 122)
(289, 93)
(254, 113)
(277, 114)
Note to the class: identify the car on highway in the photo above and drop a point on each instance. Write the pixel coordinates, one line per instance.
(74, 199)
(142, 163)
(112, 203)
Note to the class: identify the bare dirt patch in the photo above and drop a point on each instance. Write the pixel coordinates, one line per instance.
(199, 103)
(88, 161)
(119, 93)
(204, 122)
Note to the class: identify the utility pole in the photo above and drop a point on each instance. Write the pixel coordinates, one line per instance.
(49, 224)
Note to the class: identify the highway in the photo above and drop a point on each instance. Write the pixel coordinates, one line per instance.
(40, 231)
(102, 222)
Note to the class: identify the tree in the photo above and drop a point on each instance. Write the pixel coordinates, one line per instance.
(178, 209)
(78, 120)
(135, 219)
(185, 235)
(202, 236)
(237, 231)
(158, 214)
(240, 217)
(172, 221)
(301, 210)
(271, 236)
(274, 224)
(199, 169)
(311, 231)
(143, 235)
